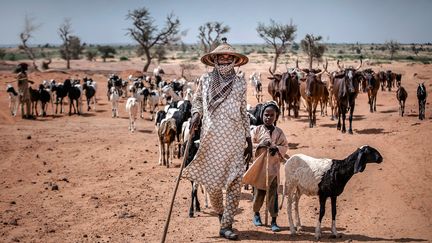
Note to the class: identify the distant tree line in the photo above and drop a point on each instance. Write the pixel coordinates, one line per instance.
(154, 41)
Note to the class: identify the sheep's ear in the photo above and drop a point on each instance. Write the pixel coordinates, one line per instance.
(360, 164)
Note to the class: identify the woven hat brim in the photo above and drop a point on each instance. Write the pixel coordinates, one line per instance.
(208, 59)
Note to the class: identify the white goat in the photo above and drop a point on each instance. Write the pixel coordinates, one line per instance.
(132, 109)
(322, 177)
(114, 98)
(13, 99)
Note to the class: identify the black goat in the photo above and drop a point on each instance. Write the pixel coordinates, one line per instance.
(421, 96)
(74, 94)
(61, 92)
(34, 98)
(44, 97)
(323, 178)
(180, 116)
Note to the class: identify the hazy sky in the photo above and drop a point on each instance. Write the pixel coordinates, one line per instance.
(104, 21)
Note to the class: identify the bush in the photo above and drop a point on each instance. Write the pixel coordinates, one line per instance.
(123, 58)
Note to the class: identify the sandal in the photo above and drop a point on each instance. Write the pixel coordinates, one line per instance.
(227, 233)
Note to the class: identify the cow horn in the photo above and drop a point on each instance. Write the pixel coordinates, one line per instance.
(325, 68)
(340, 68)
(359, 66)
(271, 71)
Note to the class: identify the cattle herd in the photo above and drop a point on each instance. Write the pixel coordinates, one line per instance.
(289, 89)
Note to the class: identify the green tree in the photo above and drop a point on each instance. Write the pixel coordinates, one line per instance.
(279, 36)
(160, 53)
(210, 34)
(2, 53)
(76, 48)
(146, 33)
(312, 48)
(91, 55)
(106, 52)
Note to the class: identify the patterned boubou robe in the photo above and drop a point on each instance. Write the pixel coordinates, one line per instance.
(219, 160)
(256, 174)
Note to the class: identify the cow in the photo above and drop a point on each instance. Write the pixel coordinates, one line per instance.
(345, 91)
(313, 91)
(371, 86)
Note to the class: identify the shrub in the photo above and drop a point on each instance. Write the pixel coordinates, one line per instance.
(123, 58)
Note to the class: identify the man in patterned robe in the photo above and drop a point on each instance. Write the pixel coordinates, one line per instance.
(220, 104)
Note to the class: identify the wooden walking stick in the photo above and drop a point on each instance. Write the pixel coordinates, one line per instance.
(267, 188)
(186, 154)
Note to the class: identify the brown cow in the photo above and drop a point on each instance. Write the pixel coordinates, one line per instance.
(313, 92)
(371, 85)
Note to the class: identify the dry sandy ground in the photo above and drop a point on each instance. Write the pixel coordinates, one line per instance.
(111, 189)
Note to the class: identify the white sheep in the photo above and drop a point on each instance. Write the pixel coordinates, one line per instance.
(114, 98)
(322, 177)
(132, 109)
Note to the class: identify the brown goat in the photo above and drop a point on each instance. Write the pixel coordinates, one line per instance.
(166, 134)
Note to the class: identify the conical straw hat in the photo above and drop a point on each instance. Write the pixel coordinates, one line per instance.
(224, 48)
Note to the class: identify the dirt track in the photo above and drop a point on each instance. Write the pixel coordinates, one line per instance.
(110, 188)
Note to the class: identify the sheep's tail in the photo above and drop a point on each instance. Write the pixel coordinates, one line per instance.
(283, 196)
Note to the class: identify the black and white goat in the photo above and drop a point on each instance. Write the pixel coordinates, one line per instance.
(13, 99)
(322, 177)
(193, 149)
(421, 96)
(90, 93)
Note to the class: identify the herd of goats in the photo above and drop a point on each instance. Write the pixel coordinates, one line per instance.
(288, 89)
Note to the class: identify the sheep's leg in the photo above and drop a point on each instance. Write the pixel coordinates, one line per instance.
(205, 196)
(296, 208)
(333, 229)
(168, 155)
(160, 152)
(322, 200)
(289, 210)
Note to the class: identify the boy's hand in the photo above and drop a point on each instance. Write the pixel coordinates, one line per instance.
(264, 144)
(273, 150)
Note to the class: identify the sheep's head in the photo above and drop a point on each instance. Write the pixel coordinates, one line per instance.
(366, 154)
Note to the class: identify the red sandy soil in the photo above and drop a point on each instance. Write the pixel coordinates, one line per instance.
(111, 188)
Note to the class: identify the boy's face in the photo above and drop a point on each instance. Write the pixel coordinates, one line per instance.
(269, 116)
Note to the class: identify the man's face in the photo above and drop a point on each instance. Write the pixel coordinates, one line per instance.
(224, 59)
(269, 116)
